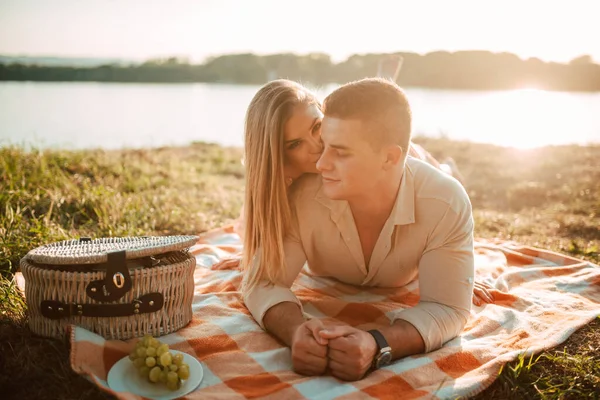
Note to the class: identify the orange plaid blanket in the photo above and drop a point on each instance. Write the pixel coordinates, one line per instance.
(540, 299)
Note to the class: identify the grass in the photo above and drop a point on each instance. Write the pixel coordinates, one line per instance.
(547, 197)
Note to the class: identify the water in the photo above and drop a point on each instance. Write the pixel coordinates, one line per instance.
(117, 115)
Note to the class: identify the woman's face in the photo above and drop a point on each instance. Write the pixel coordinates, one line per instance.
(302, 142)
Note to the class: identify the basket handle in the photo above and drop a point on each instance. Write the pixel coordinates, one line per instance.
(117, 281)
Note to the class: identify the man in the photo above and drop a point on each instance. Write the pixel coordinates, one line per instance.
(373, 218)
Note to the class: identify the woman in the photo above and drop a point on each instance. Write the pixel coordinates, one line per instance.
(282, 142)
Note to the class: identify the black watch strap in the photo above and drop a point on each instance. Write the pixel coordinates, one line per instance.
(379, 339)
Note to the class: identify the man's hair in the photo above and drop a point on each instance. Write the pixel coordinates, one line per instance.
(377, 102)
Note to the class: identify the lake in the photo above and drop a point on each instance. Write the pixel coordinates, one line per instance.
(117, 115)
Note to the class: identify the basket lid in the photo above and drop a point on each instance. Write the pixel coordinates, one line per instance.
(95, 251)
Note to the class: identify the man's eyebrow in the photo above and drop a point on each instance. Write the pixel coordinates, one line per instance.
(339, 147)
(312, 125)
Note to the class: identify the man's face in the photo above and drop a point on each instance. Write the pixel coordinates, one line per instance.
(349, 165)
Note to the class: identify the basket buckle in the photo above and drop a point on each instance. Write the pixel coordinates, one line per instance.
(117, 281)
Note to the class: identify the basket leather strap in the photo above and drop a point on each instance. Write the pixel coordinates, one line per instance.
(147, 303)
(117, 281)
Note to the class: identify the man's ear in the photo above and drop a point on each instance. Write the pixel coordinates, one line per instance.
(393, 156)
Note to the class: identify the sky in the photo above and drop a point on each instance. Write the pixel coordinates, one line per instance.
(553, 30)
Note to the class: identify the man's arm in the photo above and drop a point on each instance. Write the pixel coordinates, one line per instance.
(446, 272)
(446, 284)
(282, 320)
(403, 338)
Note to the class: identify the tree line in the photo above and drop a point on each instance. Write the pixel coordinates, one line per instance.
(473, 70)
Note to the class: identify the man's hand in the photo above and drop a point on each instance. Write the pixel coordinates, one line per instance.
(351, 351)
(309, 349)
(482, 293)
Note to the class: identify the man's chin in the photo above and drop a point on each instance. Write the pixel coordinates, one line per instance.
(331, 190)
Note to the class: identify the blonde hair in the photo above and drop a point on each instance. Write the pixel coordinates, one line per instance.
(267, 211)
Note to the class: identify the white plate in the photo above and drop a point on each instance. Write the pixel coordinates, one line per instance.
(124, 377)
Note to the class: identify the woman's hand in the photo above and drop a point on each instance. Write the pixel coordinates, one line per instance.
(227, 263)
(481, 293)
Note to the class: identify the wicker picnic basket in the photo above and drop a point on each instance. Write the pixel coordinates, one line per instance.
(119, 288)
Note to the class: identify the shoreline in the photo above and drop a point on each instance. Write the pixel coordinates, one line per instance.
(416, 139)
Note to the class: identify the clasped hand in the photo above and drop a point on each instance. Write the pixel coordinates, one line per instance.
(319, 346)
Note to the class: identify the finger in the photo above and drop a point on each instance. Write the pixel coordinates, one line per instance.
(315, 326)
(344, 371)
(489, 296)
(316, 349)
(483, 295)
(344, 376)
(337, 331)
(485, 285)
(309, 370)
(309, 362)
(308, 344)
(338, 355)
(343, 343)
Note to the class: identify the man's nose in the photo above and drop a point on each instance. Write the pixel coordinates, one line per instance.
(323, 163)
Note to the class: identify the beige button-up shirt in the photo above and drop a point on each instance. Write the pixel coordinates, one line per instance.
(428, 236)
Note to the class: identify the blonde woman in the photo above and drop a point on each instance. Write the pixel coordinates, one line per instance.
(283, 142)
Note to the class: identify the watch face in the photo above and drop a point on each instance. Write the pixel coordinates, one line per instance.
(384, 359)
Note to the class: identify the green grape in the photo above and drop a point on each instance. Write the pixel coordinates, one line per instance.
(166, 359)
(150, 362)
(146, 340)
(141, 352)
(156, 363)
(139, 362)
(163, 377)
(163, 348)
(184, 372)
(144, 371)
(154, 374)
(173, 385)
(172, 377)
(178, 359)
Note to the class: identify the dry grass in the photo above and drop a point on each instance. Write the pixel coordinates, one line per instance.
(547, 197)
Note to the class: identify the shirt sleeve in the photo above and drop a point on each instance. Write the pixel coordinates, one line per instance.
(446, 272)
(268, 294)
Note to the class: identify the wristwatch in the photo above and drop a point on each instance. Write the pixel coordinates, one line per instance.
(384, 356)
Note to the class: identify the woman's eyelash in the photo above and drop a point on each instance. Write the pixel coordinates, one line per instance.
(293, 145)
(317, 127)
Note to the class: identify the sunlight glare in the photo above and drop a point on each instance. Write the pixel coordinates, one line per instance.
(523, 118)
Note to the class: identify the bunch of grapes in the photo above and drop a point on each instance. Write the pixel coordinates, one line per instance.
(155, 362)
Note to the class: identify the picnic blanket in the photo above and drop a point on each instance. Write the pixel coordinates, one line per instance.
(541, 298)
